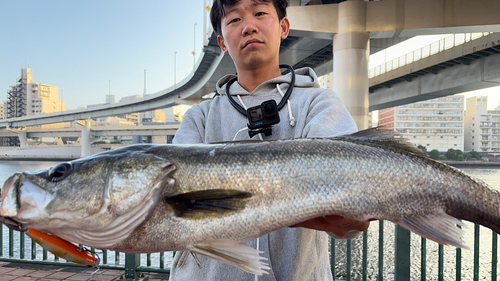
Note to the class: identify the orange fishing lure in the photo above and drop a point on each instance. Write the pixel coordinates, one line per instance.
(63, 248)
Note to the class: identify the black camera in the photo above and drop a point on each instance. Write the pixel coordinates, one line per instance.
(262, 117)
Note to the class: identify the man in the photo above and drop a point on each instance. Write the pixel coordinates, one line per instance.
(250, 31)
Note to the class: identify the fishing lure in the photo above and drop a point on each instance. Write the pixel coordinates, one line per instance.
(63, 248)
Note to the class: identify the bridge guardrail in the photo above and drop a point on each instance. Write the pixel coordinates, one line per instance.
(426, 51)
(391, 254)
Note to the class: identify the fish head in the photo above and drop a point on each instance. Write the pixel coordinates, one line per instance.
(86, 194)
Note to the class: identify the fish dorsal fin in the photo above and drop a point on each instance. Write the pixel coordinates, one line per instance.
(203, 203)
(381, 137)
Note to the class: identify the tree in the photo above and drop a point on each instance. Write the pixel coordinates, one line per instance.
(451, 154)
(475, 154)
(423, 148)
(434, 154)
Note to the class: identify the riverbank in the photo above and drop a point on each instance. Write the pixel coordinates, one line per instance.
(463, 164)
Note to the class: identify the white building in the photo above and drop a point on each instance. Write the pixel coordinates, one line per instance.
(435, 124)
(28, 98)
(482, 126)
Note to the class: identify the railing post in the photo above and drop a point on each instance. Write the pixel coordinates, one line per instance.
(402, 254)
(132, 261)
(332, 257)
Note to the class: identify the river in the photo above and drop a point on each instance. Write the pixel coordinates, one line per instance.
(489, 175)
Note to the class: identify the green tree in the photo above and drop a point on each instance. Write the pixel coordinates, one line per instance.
(423, 148)
(460, 157)
(434, 154)
(475, 154)
(451, 154)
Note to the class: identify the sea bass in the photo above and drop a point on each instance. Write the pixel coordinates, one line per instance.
(208, 198)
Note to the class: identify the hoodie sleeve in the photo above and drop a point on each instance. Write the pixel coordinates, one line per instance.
(328, 117)
(192, 127)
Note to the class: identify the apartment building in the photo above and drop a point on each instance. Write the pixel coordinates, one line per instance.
(27, 98)
(482, 126)
(435, 124)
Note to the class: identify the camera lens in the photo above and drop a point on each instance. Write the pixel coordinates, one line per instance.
(269, 108)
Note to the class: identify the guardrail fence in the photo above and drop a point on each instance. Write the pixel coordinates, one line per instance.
(384, 252)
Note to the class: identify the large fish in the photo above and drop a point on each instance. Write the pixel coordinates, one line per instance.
(209, 198)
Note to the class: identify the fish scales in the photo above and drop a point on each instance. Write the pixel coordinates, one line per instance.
(240, 191)
(295, 181)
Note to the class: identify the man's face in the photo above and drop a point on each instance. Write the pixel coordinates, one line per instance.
(252, 33)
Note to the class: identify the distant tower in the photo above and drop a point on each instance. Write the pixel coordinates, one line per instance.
(110, 98)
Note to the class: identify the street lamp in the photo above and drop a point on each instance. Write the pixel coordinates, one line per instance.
(175, 70)
(194, 47)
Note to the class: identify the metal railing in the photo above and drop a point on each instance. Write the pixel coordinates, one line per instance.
(25, 250)
(381, 253)
(426, 51)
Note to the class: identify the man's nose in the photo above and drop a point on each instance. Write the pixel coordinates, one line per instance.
(249, 27)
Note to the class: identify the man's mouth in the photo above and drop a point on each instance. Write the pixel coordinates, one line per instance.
(252, 42)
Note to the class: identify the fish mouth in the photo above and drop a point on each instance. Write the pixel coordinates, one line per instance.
(9, 203)
(9, 199)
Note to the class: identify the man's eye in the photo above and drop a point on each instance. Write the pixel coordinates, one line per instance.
(234, 20)
(260, 14)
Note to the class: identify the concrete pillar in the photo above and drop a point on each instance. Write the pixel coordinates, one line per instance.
(350, 60)
(86, 139)
(23, 140)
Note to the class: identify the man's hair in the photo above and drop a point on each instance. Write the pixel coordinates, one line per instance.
(217, 12)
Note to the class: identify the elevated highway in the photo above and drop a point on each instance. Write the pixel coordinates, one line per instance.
(99, 131)
(327, 37)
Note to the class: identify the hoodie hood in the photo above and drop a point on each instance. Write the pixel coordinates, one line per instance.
(304, 78)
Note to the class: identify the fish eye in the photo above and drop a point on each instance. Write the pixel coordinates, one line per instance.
(59, 172)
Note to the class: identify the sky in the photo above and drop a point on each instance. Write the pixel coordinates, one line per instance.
(79, 46)
(92, 48)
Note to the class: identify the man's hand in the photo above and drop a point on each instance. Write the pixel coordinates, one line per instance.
(337, 225)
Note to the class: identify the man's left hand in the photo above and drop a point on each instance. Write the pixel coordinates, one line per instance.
(337, 225)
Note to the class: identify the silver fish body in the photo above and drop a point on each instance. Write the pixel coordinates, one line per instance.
(209, 198)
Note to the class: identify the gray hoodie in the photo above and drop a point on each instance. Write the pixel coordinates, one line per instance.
(292, 253)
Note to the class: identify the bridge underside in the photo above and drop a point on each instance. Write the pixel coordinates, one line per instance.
(481, 73)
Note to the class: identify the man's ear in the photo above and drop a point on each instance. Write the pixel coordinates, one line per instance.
(285, 27)
(222, 44)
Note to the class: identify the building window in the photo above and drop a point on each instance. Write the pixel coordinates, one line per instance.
(455, 144)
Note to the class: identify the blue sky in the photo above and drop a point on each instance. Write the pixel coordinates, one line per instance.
(79, 46)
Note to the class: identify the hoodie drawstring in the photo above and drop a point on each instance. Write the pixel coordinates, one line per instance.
(292, 119)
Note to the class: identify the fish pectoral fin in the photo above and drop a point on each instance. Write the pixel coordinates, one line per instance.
(206, 203)
(443, 229)
(233, 253)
